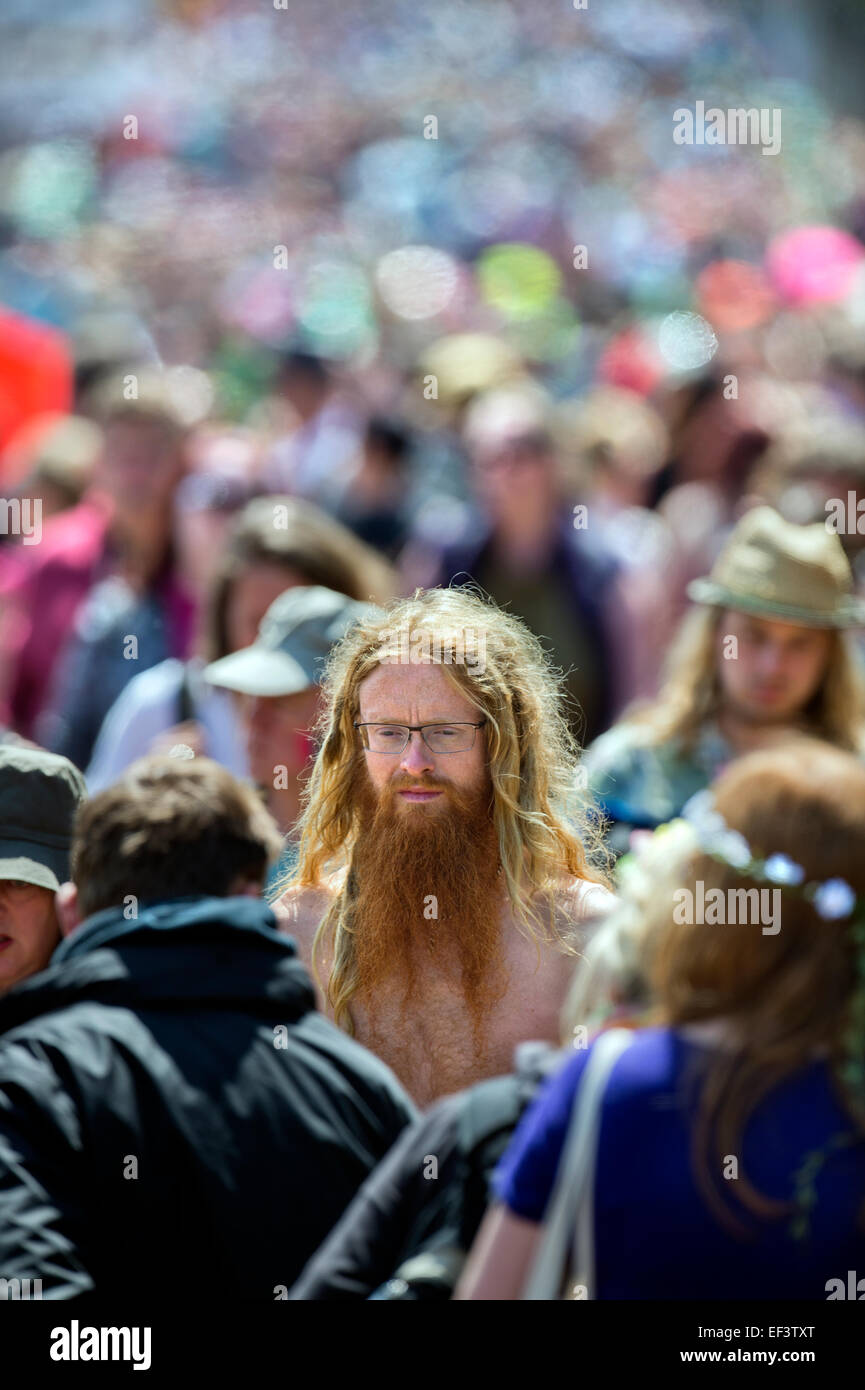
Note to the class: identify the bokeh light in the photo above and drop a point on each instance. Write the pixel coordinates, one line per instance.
(416, 282)
(686, 341)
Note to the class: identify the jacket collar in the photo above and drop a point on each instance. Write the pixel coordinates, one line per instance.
(171, 915)
(178, 955)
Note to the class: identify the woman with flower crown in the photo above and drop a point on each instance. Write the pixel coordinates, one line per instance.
(728, 1141)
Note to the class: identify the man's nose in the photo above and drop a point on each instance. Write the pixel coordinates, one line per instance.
(416, 757)
(771, 660)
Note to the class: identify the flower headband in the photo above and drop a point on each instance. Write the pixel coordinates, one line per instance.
(832, 899)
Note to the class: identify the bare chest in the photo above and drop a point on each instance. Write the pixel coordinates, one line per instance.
(432, 1046)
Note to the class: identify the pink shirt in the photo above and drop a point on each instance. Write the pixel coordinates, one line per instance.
(41, 589)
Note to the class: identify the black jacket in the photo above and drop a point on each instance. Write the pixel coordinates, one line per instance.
(176, 1119)
(429, 1195)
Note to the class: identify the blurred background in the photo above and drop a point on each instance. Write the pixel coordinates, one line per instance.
(434, 275)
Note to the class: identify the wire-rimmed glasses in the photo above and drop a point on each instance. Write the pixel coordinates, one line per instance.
(458, 737)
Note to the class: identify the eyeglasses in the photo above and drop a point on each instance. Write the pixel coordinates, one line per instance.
(439, 738)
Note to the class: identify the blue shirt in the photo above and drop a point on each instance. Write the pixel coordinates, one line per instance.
(641, 782)
(655, 1235)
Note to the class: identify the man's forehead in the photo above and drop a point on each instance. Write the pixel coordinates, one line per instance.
(394, 687)
(23, 888)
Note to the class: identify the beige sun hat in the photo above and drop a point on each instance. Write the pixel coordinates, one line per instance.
(775, 569)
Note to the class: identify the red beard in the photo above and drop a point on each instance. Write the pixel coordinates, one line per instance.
(424, 886)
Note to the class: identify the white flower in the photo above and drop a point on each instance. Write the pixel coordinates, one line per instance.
(780, 868)
(834, 898)
(714, 834)
(700, 812)
(733, 848)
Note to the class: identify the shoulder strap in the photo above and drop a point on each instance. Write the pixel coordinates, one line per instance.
(569, 1221)
(487, 1119)
(185, 704)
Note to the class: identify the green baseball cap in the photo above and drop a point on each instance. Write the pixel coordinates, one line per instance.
(294, 639)
(39, 795)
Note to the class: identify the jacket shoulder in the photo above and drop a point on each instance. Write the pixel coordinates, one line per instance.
(36, 1078)
(358, 1069)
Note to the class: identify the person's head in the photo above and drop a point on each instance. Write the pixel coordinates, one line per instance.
(779, 960)
(478, 807)
(144, 434)
(280, 543)
(52, 460)
(279, 741)
(385, 449)
(278, 675)
(777, 670)
(766, 642)
(39, 794)
(514, 466)
(223, 462)
(714, 438)
(168, 828)
(617, 443)
(305, 380)
(817, 463)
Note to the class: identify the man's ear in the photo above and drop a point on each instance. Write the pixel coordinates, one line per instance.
(66, 907)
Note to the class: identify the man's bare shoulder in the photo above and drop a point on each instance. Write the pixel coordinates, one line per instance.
(302, 906)
(579, 901)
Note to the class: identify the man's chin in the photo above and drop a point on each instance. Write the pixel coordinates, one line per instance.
(420, 802)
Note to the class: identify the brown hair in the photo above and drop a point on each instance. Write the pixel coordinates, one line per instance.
(691, 692)
(297, 535)
(787, 996)
(170, 828)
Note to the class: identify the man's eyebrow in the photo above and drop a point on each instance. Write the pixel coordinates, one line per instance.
(451, 719)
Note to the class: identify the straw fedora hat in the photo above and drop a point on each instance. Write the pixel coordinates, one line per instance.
(776, 569)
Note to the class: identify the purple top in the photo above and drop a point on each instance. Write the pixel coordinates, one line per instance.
(655, 1236)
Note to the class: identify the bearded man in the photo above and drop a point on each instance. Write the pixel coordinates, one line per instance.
(443, 886)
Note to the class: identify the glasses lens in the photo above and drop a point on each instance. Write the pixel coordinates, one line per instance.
(449, 738)
(387, 738)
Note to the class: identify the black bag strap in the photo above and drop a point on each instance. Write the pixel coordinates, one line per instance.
(486, 1123)
(487, 1117)
(185, 702)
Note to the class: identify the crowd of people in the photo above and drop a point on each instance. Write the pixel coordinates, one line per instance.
(432, 764)
(496, 1064)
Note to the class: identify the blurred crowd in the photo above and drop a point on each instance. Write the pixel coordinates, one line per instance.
(456, 318)
(214, 293)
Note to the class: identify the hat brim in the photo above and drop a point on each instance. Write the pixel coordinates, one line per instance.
(849, 614)
(18, 864)
(259, 671)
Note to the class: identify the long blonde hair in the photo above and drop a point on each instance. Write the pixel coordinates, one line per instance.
(541, 818)
(691, 694)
